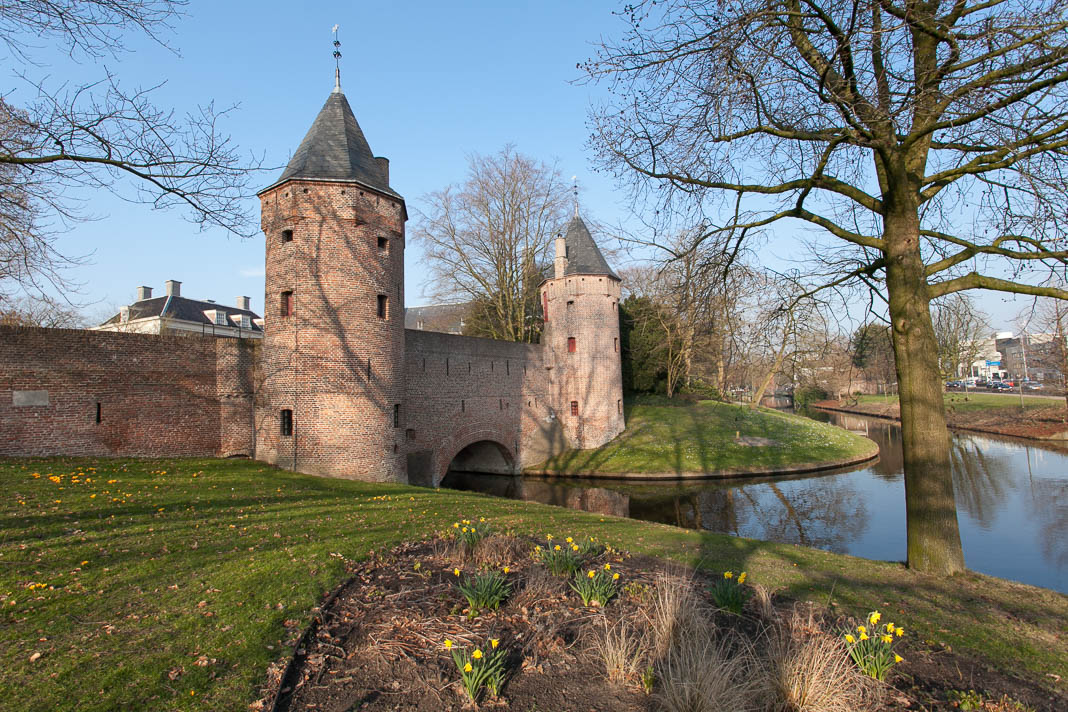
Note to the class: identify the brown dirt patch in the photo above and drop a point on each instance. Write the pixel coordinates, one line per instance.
(377, 644)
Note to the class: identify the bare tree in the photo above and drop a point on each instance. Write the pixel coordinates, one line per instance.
(929, 140)
(39, 311)
(959, 329)
(100, 135)
(485, 240)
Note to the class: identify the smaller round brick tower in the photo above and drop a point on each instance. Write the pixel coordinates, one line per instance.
(581, 333)
(332, 367)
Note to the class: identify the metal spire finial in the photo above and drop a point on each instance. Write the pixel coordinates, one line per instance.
(574, 192)
(337, 62)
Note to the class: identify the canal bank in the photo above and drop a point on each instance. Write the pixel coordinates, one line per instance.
(1012, 498)
(1035, 421)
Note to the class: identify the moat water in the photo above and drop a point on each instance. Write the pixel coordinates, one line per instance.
(1012, 503)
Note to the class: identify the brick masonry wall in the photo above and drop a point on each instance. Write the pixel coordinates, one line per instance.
(585, 307)
(463, 390)
(157, 395)
(333, 362)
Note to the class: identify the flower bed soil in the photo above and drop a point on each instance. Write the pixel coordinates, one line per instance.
(378, 642)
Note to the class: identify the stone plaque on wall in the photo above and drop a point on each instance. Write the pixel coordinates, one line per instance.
(26, 398)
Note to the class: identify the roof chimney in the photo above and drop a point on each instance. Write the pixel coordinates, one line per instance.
(243, 303)
(383, 168)
(144, 293)
(174, 288)
(560, 263)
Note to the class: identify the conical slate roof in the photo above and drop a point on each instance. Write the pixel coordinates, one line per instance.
(336, 149)
(583, 257)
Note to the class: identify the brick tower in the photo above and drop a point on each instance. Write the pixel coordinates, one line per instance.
(333, 351)
(581, 334)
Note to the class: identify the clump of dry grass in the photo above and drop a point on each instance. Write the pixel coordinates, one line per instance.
(701, 674)
(539, 585)
(499, 550)
(620, 646)
(808, 670)
(760, 602)
(676, 608)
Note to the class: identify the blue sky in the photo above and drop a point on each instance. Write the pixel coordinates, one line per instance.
(429, 82)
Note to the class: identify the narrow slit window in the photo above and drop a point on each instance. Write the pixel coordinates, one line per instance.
(619, 407)
(463, 406)
(500, 404)
(383, 244)
(571, 346)
(396, 415)
(615, 344)
(287, 303)
(545, 307)
(383, 306)
(287, 236)
(508, 368)
(98, 412)
(287, 422)
(574, 408)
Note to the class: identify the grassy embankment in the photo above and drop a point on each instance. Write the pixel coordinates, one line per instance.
(671, 437)
(171, 584)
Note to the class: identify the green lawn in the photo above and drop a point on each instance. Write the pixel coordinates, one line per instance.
(962, 402)
(171, 584)
(663, 437)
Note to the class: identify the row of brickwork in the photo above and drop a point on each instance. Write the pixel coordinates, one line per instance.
(461, 390)
(74, 392)
(335, 248)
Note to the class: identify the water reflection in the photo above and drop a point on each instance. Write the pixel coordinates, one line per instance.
(1012, 500)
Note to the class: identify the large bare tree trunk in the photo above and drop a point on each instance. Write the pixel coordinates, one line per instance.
(930, 503)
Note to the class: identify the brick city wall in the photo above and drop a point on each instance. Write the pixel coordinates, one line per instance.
(464, 390)
(75, 392)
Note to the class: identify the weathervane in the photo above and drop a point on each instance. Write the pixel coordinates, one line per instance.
(337, 61)
(574, 192)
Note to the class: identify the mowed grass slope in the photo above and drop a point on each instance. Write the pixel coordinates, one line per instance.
(172, 584)
(708, 437)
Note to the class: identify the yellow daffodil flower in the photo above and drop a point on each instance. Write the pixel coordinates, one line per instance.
(548, 537)
(477, 655)
(850, 639)
(863, 636)
(456, 572)
(506, 569)
(557, 547)
(467, 667)
(569, 540)
(874, 617)
(897, 658)
(728, 574)
(456, 525)
(888, 639)
(862, 629)
(494, 642)
(615, 577)
(574, 547)
(900, 631)
(741, 579)
(590, 574)
(608, 567)
(448, 643)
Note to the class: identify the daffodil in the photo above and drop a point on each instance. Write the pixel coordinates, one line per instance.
(557, 547)
(615, 577)
(741, 579)
(574, 547)
(448, 643)
(897, 658)
(456, 572)
(548, 537)
(728, 574)
(863, 636)
(506, 569)
(477, 655)
(608, 567)
(862, 629)
(467, 667)
(850, 639)
(494, 642)
(456, 525)
(569, 540)
(874, 617)
(888, 639)
(900, 631)
(591, 574)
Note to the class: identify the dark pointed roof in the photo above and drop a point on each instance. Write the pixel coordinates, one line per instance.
(583, 257)
(336, 149)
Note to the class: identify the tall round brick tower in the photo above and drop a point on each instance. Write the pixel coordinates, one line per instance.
(581, 333)
(332, 377)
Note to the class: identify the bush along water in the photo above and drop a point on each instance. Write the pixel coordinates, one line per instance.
(871, 646)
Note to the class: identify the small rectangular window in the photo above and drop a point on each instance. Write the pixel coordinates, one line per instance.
(396, 415)
(98, 412)
(463, 406)
(619, 407)
(383, 306)
(287, 422)
(574, 408)
(615, 344)
(287, 236)
(571, 344)
(383, 244)
(500, 404)
(570, 304)
(287, 303)
(220, 318)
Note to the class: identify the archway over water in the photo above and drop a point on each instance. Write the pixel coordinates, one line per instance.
(484, 456)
